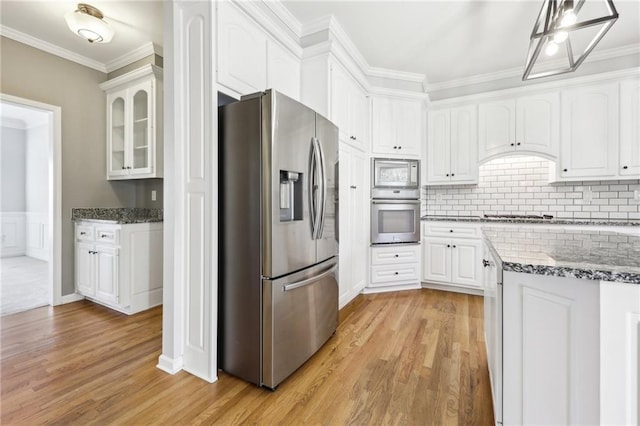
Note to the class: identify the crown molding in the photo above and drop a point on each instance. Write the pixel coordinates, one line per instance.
(285, 16)
(396, 75)
(517, 72)
(51, 48)
(633, 72)
(141, 52)
(398, 93)
(132, 75)
(257, 14)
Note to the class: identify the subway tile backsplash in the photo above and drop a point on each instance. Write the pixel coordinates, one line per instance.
(519, 185)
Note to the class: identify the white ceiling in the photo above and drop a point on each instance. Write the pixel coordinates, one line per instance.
(444, 40)
(136, 23)
(452, 40)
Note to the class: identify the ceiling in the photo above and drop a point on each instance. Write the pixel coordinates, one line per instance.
(136, 24)
(444, 40)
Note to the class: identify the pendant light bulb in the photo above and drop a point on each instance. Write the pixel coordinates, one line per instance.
(560, 37)
(551, 49)
(568, 18)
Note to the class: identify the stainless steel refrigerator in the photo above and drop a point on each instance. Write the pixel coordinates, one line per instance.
(278, 299)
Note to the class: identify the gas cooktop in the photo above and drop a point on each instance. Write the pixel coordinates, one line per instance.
(517, 216)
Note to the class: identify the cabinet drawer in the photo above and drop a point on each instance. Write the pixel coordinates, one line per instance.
(106, 235)
(389, 274)
(85, 233)
(395, 255)
(450, 229)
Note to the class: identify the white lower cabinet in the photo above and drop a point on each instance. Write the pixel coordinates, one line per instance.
(551, 350)
(395, 265)
(453, 261)
(120, 266)
(619, 353)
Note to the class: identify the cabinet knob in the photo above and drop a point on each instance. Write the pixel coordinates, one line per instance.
(124, 168)
(352, 187)
(518, 144)
(399, 147)
(395, 147)
(512, 144)
(447, 174)
(485, 263)
(449, 245)
(454, 246)
(353, 138)
(83, 233)
(453, 174)
(397, 255)
(395, 273)
(565, 170)
(103, 235)
(625, 167)
(450, 230)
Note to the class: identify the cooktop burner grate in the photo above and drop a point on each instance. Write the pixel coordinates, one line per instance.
(517, 216)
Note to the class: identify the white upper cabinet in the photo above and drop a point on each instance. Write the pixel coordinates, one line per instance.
(349, 107)
(249, 60)
(242, 51)
(630, 129)
(134, 124)
(589, 147)
(396, 126)
(528, 124)
(452, 146)
(283, 70)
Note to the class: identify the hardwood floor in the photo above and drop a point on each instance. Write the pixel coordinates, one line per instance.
(414, 358)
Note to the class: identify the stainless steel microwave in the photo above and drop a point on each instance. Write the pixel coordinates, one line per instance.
(395, 178)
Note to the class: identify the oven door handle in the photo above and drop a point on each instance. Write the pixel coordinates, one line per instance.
(395, 201)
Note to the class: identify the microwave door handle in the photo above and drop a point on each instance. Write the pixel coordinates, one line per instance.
(323, 188)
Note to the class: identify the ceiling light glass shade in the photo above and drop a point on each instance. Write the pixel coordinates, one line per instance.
(557, 21)
(87, 22)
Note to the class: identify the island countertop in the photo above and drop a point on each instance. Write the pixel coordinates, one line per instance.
(561, 252)
(554, 221)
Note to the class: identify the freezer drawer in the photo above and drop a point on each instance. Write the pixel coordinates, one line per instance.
(300, 313)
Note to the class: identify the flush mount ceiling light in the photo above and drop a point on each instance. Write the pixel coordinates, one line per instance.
(87, 22)
(557, 23)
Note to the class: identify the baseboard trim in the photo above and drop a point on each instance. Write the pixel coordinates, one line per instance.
(402, 287)
(70, 298)
(169, 365)
(453, 288)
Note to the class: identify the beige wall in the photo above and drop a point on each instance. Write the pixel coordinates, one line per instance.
(33, 74)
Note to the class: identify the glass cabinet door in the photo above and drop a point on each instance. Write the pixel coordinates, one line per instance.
(141, 129)
(117, 165)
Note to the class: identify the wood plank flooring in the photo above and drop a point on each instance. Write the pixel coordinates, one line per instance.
(412, 358)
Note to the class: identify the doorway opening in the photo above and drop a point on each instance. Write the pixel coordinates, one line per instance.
(30, 220)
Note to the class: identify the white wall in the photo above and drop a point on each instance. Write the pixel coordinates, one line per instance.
(37, 169)
(12, 169)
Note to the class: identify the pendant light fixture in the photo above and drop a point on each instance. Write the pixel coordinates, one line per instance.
(87, 22)
(552, 33)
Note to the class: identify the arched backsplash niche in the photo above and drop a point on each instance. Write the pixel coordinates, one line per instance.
(520, 185)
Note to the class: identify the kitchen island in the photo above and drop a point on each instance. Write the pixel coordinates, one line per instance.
(567, 350)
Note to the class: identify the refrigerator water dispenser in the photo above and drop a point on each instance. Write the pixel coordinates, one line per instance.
(290, 196)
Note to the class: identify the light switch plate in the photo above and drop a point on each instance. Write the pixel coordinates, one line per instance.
(153, 195)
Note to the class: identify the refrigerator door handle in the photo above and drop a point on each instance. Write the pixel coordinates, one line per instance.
(314, 164)
(308, 281)
(323, 189)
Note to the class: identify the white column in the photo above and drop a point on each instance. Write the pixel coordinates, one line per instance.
(191, 204)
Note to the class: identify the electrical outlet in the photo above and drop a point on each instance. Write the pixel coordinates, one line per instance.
(438, 197)
(587, 195)
(636, 195)
(153, 195)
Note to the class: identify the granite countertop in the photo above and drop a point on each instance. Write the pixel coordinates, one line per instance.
(587, 254)
(117, 215)
(600, 222)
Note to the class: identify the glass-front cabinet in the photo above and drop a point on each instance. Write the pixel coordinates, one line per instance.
(134, 124)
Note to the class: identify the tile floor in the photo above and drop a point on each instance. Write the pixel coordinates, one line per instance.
(23, 284)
